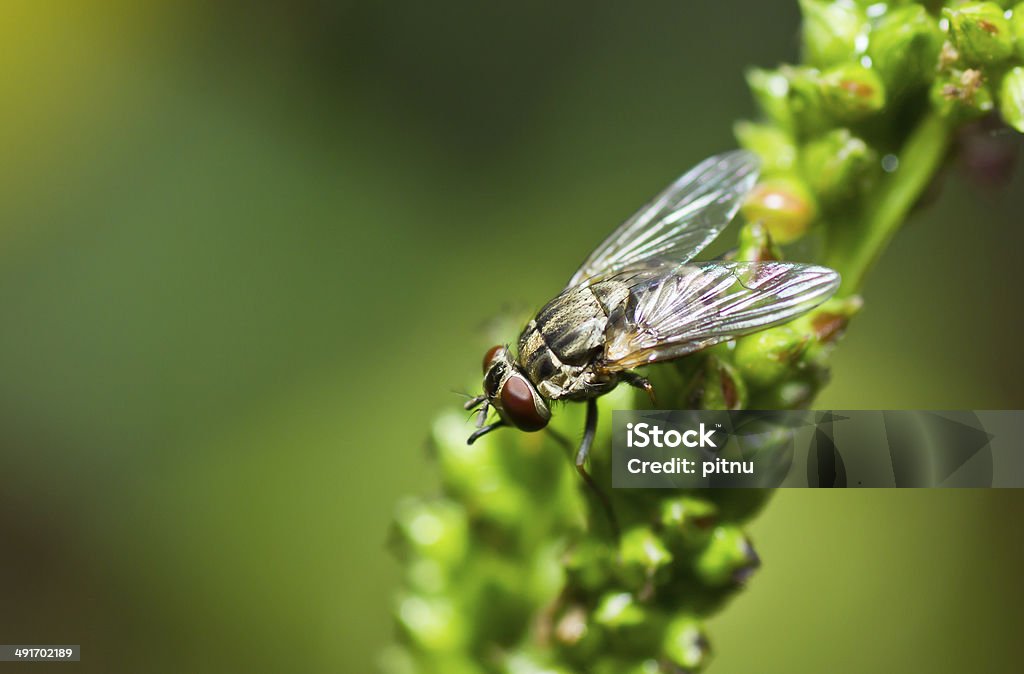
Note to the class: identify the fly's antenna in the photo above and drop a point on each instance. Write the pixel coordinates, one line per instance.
(479, 406)
(473, 402)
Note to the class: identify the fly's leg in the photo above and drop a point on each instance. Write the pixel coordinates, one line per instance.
(484, 431)
(635, 380)
(589, 431)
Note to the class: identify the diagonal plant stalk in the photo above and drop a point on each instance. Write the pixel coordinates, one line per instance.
(920, 159)
(512, 567)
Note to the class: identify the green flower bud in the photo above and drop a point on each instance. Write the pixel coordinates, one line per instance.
(723, 388)
(980, 32)
(1011, 98)
(475, 473)
(771, 91)
(685, 644)
(587, 564)
(688, 520)
(1017, 28)
(805, 101)
(756, 244)
(904, 47)
(642, 555)
(837, 165)
(619, 609)
(765, 357)
(789, 98)
(426, 576)
(821, 327)
(961, 96)
(728, 559)
(851, 92)
(432, 623)
(771, 144)
(830, 31)
(783, 205)
(434, 529)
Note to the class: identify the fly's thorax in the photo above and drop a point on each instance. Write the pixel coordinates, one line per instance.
(511, 392)
(556, 380)
(559, 348)
(572, 326)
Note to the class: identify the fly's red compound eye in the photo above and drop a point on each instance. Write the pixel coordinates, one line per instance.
(517, 403)
(491, 355)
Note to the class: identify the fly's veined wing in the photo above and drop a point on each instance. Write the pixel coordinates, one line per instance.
(680, 221)
(681, 309)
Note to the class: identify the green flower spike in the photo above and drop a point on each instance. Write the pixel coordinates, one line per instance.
(512, 568)
(980, 32)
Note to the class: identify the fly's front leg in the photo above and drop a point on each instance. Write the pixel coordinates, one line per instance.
(635, 380)
(589, 431)
(484, 431)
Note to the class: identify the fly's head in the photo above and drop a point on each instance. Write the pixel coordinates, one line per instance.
(511, 393)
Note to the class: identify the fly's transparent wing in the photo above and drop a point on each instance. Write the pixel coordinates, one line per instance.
(678, 310)
(680, 221)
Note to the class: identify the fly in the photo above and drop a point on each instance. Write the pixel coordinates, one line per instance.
(639, 299)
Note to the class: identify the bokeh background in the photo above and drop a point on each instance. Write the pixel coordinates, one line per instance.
(247, 251)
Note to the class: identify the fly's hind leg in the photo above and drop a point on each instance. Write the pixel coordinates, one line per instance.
(636, 381)
(589, 431)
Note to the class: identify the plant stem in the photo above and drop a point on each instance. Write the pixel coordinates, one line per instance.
(919, 160)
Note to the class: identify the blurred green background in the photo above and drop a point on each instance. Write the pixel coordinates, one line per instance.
(247, 251)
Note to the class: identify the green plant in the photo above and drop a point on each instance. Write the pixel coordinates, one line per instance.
(513, 568)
